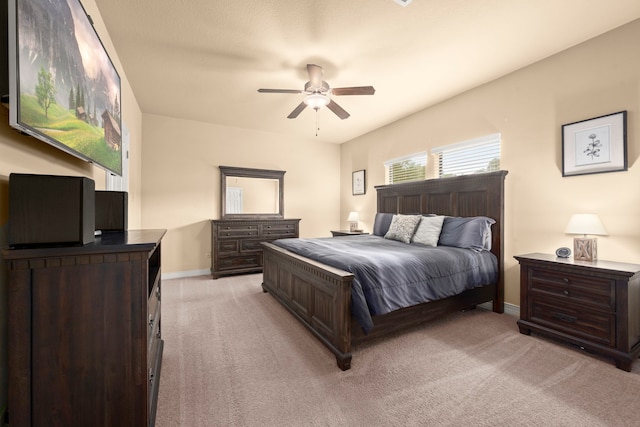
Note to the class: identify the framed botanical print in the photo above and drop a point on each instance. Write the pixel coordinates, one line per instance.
(595, 145)
(358, 183)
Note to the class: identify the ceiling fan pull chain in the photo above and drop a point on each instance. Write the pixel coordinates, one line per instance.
(317, 121)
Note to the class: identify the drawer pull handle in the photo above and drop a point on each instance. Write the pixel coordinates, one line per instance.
(565, 280)
(566, 318)
(566, 292)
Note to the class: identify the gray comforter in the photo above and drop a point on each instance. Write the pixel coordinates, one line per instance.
(390, 275)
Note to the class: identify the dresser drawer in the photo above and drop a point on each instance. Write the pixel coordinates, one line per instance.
(573, 288)
(153, 301)
(240, 261)
(228, 246)
(251, 245)
(278, 231)
(573, 320)
(154, 334)
(239, 230)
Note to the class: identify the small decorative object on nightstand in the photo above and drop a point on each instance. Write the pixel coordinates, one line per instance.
(593, 305)
(585, 248)
(353, 221)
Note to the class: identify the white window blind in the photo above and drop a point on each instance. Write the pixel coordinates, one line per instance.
(468, 157)
(407, 168)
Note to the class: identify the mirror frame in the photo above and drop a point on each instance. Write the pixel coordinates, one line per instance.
(232, 171)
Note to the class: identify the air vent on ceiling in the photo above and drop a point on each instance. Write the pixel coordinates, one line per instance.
(403, 3)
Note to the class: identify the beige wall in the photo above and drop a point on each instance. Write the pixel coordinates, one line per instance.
(529, 107)
(181, 182)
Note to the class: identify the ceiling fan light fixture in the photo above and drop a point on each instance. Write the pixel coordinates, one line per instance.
(316, 100)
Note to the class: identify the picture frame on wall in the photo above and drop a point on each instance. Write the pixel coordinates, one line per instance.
(358, 183)
(596, 145)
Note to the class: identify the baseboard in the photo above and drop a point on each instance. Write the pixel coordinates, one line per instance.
(183, 274)
(510, 309)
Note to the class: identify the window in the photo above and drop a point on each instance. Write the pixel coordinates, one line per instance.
(407, 168)
(468, 157)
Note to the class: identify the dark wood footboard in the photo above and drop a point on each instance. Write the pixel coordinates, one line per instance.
(318, 295)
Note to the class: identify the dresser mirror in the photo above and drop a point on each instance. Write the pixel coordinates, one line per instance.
(251, 193)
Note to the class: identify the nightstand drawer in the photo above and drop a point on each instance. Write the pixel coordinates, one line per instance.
(572, 320)
(573, 288)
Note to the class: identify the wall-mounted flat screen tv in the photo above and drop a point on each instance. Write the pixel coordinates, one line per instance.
(63, 87)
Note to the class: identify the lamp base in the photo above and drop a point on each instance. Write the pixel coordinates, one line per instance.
(585, 248)
(353, 226)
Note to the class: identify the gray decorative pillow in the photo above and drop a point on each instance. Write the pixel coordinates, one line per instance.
(402, 227)
(469, 232)
(381, 223)
(428, 231)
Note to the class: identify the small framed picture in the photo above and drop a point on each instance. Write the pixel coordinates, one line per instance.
(595, 145)
(358, 183)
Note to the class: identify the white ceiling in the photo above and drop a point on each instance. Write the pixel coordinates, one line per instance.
(204, 60)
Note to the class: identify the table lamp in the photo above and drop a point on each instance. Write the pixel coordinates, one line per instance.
(585, 248)
(353, 221)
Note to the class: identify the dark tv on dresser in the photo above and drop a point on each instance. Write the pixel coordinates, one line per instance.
(63, 87)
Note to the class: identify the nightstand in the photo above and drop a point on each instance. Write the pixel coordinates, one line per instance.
(595, 305)
(336, 233)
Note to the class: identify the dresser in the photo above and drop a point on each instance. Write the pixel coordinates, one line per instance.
(595, 305)
(236, 243)
(84, 332)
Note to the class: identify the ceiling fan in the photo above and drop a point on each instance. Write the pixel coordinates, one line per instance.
(318, 93)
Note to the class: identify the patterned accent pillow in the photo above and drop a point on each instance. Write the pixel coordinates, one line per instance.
(402, 227)
(428, 231)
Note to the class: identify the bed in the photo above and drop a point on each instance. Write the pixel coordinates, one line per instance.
(319, 295)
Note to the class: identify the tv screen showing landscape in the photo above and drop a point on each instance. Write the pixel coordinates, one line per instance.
(64, 88)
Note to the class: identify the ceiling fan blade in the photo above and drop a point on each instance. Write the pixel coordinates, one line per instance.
(297, 110)
(357, 90)
(315, 75)
(279, 91)
(338, 110)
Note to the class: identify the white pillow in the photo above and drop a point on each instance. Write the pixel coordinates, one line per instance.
(428, 231)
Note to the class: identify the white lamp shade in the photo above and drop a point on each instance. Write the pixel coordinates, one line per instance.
(353, 217)
(585, 224)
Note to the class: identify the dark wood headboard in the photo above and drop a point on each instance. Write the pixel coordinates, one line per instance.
(468, 195)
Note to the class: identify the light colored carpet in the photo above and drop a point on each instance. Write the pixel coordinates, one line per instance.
(234, 357)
